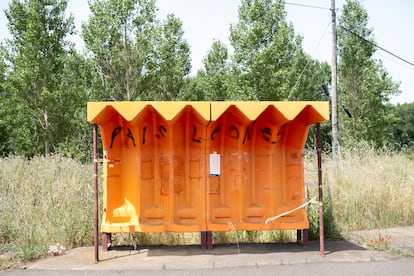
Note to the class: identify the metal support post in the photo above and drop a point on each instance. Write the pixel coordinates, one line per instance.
(95, 190)
(106, 241)
(302, 237)
(206, 240)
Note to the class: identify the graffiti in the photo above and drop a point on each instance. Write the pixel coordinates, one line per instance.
(143, 134)
(247, 134)
(215, 131)
(115, 132)
(130, 136)
(267, 134)
(161, 132)
(234, 132)
(193, 137)
(282, 129)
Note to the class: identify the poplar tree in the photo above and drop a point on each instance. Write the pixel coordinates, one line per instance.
(35, 55)
(172, 62)
(133, 55)
(364, 84)
(265, 47)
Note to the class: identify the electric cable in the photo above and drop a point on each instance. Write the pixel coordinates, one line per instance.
(307, 63)
(306, 6)
(377, 46)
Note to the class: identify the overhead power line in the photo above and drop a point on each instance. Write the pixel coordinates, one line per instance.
(307, 63)
(377, 46)
(306, 6)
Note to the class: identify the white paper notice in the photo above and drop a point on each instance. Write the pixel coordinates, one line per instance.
(214, 164)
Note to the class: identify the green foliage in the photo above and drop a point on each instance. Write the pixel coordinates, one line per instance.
(193, 88)
(403, 128)
(119, 36)
(211, 83)
(364, 85)
(267, 53)
(216, 72)
(132, 55)
(268, 61)
(172, 60)
(39, 101)
(310, 78)
(75, 135)
(4, 126)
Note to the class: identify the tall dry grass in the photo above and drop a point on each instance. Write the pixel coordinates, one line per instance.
(367, 189)
(44, 201)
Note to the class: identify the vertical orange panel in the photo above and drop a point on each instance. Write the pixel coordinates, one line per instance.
(118, 206)
(263, 191)
(189, 145)
(152, 163)
(227, 137)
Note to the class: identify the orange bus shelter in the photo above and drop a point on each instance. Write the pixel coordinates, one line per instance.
(203, 166)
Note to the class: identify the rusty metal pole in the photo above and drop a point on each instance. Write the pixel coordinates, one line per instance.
(95, 191)
(319, 152)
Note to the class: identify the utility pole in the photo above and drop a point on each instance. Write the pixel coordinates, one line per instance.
(334, 100)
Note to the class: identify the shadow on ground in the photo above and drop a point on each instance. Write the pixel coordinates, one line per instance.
(244, 248)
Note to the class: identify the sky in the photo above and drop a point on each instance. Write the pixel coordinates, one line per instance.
(207, 20)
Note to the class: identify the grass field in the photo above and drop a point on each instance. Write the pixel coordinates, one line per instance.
(49, 200)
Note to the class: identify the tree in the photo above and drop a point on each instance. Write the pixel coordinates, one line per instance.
(310, 78)
(193, 88)
(172, 60)
(36, 54)
(364, 85)
(119, 36)
(4, 136)
(210, 83)
(403, 128)
(265, 49)
(75, 132)
(217, 71)
(134, 56)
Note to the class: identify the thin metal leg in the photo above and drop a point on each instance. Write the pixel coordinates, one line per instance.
(106, 241)
(298, 236)
(95, 191)
(305, 237)
(206, 240)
